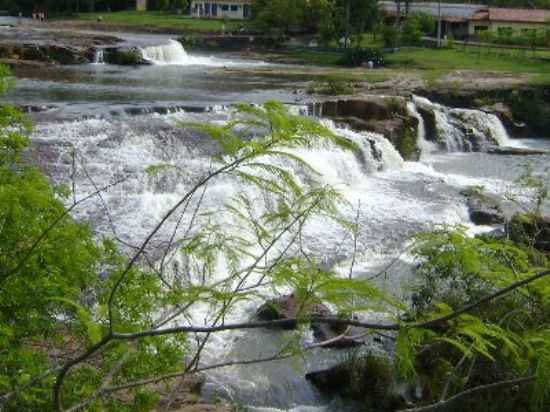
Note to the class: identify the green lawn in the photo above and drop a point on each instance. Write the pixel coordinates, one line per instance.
(433, 63)
(161, 20)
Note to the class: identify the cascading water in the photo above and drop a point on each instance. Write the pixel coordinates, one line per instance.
(426, 147)
(99, 57)
(459, 130)
(396, 199)
(173, 53)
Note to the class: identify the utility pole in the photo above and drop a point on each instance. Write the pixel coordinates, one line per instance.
(346, 35)
(439, 23)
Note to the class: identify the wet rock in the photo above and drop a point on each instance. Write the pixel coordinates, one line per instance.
(333, 379)
(368, 379)
(125, 56)
(289, 307)
(430, 124)
(387, 116)
(530, 229)
(25, 43)
(204, 407)
(67, 55)
(515, 151)
(483, 209)
(186, 396)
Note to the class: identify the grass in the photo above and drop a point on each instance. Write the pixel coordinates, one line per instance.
(161, 20)
(434, 63)
(318, 57)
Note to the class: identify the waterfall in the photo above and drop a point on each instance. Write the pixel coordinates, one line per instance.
(173, 53)
(396, 200)
(99, 57)
(426, 147)
(458, 130)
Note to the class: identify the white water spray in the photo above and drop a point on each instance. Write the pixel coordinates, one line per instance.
(173, 53)
(99, 57)
(426, 147)
(461, 130)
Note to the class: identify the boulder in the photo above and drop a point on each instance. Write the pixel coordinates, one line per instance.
(530, 229)
(66, 54)
(332, 380)
(368, 379)
(387, 116)
(125, 56)
(288, 307)
(483, 210)
(430, 124)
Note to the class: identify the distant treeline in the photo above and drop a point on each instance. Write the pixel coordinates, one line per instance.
(60, 7)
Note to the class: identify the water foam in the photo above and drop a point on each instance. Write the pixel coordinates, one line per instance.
(459, 130)
(173, 53)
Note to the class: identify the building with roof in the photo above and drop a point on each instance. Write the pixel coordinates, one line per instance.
(230, 9)
(455, 17)
(464, 20)
(509, 21)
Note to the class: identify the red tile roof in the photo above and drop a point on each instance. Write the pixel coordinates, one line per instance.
(514, 15)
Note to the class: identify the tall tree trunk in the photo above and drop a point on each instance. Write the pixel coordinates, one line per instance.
(398, 13)
(346, 35)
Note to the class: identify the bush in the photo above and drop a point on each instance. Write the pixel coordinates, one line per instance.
(356, 57)
(389, 35)
(331, 87)
(411, 34)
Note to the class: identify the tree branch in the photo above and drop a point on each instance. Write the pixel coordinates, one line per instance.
(469, 392)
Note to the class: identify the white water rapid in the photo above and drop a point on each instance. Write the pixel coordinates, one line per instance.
(173, 53)
(457, 130)
(396, 199)
(99, 57)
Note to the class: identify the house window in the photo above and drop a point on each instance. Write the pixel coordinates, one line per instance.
(207, 9)
(225, 7)
(234, 8)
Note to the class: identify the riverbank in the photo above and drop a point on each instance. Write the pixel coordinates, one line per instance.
(145, 22)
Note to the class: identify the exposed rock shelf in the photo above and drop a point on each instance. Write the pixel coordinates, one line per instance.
(50, 47)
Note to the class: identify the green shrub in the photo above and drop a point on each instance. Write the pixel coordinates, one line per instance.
(411, 34)
(390, 35)
(331, 87)
(356, 57)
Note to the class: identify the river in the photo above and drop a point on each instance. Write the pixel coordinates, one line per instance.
(120, 120)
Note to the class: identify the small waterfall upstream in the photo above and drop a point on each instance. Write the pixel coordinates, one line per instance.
(173, 53)
(99, 57)
(454, 129)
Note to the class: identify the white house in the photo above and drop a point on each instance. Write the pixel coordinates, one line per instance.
(231, 9)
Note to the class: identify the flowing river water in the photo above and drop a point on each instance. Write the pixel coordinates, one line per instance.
(98, 123)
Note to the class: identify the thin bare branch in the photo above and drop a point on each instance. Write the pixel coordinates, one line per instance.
(442, 405)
